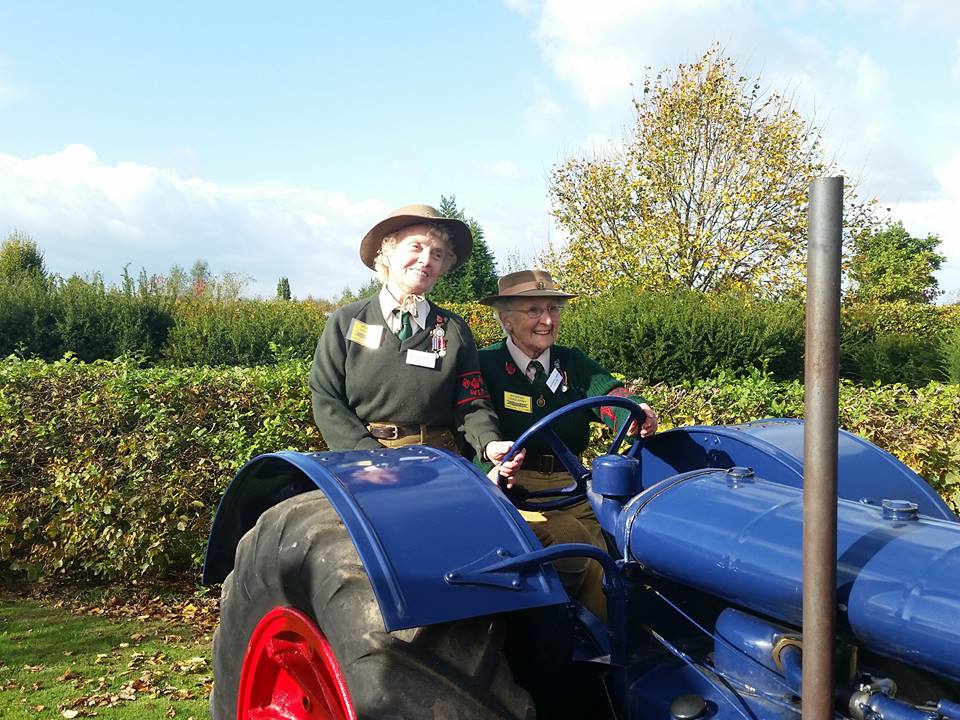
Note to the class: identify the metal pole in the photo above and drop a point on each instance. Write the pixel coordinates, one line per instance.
(821, 400)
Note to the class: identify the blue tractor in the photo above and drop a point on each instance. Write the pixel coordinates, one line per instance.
(404, 584)
(753, 572)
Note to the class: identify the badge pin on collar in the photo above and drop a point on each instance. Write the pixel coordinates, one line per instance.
(556, 366)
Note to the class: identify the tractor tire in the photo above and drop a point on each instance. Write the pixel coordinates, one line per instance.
(298, 561)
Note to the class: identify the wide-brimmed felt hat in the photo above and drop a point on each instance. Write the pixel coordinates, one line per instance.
(524, 284)
(460, 238)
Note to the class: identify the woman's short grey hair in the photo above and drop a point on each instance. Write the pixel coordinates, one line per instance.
(389, 242)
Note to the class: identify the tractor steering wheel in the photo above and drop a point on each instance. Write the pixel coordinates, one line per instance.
(577, 492)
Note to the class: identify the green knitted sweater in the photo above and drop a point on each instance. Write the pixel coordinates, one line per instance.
(352, 384)
(520, 403)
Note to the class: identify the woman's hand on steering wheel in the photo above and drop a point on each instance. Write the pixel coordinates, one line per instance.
(503, 473)
(648, 426)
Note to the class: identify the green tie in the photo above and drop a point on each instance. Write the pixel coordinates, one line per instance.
(539, 374)
(406, 328)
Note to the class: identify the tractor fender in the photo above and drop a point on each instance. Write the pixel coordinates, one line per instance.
(418, 516)
(773, 448)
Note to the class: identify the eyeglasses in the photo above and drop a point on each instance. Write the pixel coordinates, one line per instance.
(535, 312)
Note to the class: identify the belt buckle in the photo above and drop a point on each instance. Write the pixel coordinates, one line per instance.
(395, 432)
(547, 464)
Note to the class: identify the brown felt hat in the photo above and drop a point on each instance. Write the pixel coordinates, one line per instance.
(526, 283)
(460, 237)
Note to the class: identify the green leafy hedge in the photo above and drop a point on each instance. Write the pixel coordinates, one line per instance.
(47, 319)
(684, 335)
(662, 337)
(241, 332)
(113, 470)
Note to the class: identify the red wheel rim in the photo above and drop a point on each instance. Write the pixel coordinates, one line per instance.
(290, 672)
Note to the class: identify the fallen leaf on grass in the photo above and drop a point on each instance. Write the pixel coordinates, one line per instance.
(193, 665)
(183, 606)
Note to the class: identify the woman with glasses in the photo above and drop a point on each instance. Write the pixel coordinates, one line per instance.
(528, 377)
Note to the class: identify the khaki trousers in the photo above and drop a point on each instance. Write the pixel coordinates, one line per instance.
(581, 577)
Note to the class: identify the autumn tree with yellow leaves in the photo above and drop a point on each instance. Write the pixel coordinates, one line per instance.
(708, 192)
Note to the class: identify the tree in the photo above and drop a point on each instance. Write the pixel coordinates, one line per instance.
(477, 277)
(371, 287)
(20, 256)
(229, 285)
(200, 277)
(283, 289)
(890, 264)
(708, 192)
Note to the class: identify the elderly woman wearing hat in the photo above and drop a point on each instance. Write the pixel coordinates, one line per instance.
(528, 377)
(394, 369)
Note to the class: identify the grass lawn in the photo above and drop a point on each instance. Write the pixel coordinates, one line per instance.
(105, 654)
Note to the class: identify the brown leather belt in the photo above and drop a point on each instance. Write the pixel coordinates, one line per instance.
(389, 431)
(545, 464)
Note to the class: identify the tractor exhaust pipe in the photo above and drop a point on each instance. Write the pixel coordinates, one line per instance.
(821, 401)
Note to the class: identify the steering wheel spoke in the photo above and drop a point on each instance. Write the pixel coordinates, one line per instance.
(621, 436)
(571, 463)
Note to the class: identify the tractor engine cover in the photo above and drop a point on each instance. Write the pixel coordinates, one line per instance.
(739, 537)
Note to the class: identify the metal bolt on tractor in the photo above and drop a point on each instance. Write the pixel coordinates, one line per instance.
(404, 584)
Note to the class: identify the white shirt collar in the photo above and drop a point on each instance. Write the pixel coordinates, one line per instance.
(388, 303)
(522, 360)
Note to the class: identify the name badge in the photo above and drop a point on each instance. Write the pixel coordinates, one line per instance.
(520, 403)
(554, 380)
(367, 335)
(421, 358)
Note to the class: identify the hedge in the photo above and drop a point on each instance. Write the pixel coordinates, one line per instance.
(665, 337)
(114, 470)
(683, 335)
(111, 470)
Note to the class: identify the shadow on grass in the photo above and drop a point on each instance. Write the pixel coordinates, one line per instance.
(32, 635)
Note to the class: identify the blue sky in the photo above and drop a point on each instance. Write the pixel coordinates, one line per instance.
(267, 140)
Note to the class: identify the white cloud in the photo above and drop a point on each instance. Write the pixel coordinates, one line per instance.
(955, 70)
(869, 79)
(8, 90)
(516, 232)
(939, 215)
(929, 13)
(542, 113)
(598, 49)
(89, 216)
(502, 170)
(601, 49)
(524, 7)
